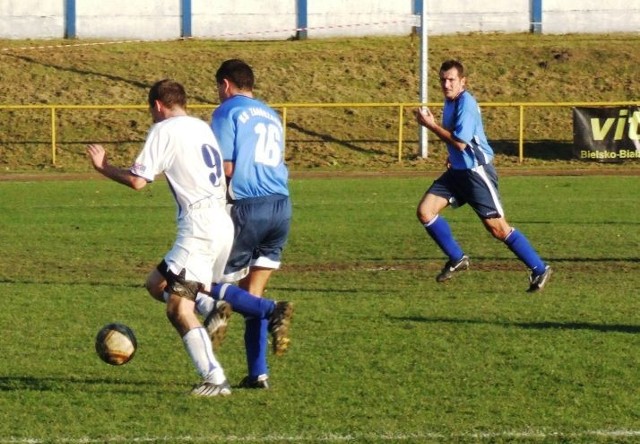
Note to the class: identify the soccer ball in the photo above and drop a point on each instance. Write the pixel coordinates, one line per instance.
(116, 344)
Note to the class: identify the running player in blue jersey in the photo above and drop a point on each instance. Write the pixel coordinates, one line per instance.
(470, 178)
(251, 139)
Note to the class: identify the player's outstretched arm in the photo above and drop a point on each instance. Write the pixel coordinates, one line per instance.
(98, 157)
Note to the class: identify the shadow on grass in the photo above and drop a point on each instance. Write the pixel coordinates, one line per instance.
(16, 281)
(544, 150)
(46, 384)
(618, 328)
(133, 82)
(537, 149)
(327, 137)
(605, 328)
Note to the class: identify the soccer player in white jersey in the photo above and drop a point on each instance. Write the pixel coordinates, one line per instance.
(251, 140)
(185, 150)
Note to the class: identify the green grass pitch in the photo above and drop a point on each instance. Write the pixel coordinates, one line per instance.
(380, 351)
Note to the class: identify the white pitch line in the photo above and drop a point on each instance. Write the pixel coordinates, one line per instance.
(529, 434)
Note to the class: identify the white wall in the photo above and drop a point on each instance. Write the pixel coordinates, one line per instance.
(128, 19)
(244, 19)
(464, 16)
(31, 19)
(330, 18)
(595, 15)
(276, 19)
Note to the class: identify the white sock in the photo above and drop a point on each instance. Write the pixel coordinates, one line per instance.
(199, 348)
(204, 304)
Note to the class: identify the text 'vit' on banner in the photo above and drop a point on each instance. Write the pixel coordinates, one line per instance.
(609, 134)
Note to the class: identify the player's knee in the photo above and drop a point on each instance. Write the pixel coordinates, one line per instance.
(500, 233)
(429, 208)
(155, 285)
(424, 215)
(154, 291)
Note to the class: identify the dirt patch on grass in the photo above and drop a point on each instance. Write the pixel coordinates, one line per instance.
(322, 174)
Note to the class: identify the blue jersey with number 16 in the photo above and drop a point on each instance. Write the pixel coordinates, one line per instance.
(250, 135)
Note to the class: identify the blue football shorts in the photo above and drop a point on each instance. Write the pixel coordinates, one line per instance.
(477, 187)
(261, 230)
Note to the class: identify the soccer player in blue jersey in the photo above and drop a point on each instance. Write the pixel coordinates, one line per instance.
(470, 178)
(251, 139)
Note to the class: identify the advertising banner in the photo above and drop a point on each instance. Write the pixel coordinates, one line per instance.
(610, 134)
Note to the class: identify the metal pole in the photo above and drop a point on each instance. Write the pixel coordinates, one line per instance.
(186, 19)
(70, 19)
(424, 58)
(53, 135)
(302, 17)
(536, 16)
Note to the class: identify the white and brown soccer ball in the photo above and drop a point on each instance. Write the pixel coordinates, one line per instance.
(116, 344)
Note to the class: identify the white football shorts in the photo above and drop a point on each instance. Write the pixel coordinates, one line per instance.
(202, 246)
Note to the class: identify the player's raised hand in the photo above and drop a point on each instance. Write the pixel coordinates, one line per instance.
(98, 156)
(424, 117)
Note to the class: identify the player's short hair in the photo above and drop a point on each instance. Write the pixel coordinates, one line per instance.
(449, 64)
(237, 72)
(169, 92)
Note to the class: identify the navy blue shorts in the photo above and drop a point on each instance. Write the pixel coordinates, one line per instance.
(477, 187)
(261, 231)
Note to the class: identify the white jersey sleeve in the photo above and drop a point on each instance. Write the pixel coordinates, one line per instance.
(148, 163)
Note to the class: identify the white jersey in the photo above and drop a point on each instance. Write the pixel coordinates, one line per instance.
(186, 151)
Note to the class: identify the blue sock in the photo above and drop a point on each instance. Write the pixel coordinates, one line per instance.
(242, 301)
(519, 244)
(256, 342)
(439, 230)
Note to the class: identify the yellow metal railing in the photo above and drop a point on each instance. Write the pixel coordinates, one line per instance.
(284, 107)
